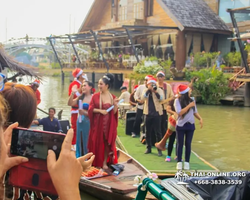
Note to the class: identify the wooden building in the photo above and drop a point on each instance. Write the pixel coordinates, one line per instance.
(190, 26)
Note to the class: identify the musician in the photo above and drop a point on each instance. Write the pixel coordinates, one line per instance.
(124, 94)
(168, 93)
(140, 105)
(75, 87)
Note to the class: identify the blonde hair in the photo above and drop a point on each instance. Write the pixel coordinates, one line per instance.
(3, 110)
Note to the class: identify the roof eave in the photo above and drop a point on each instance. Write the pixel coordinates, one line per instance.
(224, 32)
(85, 19)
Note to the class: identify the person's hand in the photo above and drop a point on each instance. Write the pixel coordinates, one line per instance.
(192, 104)
(201, 123)
(82, 112)
(140, 101)
(116, 101)
(7, 162)
(150, 87)
(104, 112)
(74, 89)
(66, 171)
(175, 116)
(86, 164)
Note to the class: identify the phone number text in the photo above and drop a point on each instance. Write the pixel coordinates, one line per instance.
(218, 182)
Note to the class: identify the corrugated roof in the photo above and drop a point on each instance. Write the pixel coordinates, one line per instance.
(194, 14)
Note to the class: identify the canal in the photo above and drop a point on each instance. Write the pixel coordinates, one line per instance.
(223, 141)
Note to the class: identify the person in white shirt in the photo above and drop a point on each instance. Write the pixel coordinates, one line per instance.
(125, 95)
(140, 106)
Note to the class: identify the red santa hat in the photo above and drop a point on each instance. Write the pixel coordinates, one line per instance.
(135, 87)
(151, 80)
(77, 72)
(182, 89)
(36, 82)
(160, 73)
(148, 76)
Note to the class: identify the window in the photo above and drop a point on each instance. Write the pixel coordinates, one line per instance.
(149, 7)
(225, 4)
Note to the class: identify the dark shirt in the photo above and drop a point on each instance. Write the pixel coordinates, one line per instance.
(151, 106)
(132, 98)
(48, 125)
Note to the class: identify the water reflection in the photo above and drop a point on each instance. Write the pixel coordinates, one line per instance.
(223, 141)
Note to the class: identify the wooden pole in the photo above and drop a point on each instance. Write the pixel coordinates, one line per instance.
(247, 95)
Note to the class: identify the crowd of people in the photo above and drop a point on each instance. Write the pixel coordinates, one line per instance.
(164, 116)
(94, 121)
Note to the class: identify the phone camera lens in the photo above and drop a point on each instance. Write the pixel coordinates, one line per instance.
(54, 147)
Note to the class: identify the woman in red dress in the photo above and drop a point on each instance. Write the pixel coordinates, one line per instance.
(103, 124)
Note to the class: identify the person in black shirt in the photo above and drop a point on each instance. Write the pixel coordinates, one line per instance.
(153, 111)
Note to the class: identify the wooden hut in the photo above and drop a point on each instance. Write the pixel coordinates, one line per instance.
(181, 27)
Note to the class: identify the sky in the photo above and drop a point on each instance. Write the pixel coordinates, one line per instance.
(41, 18)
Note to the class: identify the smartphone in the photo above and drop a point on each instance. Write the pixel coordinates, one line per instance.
(35, 143)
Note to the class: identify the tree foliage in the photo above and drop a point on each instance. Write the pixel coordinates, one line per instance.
(211, 86)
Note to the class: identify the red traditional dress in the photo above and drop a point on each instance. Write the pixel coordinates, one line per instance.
(74, 109)
(103, 130)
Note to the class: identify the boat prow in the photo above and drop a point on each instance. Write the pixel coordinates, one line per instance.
(117, 187)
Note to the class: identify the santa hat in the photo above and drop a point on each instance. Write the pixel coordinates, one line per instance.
(135, 87)
(148, 76)
(36, 82)
(77, 72)
(151, 80)
(182, 89)
(160, 73)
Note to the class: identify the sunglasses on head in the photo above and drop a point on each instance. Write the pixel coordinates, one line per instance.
(3, 80)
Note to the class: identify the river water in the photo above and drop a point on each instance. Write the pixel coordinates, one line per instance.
(223, 141)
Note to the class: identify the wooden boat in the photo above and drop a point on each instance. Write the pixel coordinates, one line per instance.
(117, 187)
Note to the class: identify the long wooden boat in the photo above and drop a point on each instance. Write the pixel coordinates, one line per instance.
(117, 187)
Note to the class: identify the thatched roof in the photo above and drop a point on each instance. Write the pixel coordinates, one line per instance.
(6, 61)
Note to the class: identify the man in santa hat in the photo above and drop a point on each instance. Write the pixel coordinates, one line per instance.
(140, 105)
(35, 85)
(153, 110)
(75, 90)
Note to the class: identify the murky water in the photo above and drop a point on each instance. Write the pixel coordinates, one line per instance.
(223, 141)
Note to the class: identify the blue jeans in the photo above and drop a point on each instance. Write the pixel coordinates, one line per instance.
(82, 136)
(188, 131)
(218, 64)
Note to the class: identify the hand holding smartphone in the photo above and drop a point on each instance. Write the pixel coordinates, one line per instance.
(34, 144)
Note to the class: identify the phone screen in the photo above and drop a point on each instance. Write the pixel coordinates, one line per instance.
(35, 144)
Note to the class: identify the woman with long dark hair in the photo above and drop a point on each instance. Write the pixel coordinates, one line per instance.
(186, 109)
(103, 124)
(83, 123)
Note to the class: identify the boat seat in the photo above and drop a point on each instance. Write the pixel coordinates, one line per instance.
(65, 125)
(179, 189)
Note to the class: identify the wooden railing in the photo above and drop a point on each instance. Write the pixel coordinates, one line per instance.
(236, 84)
